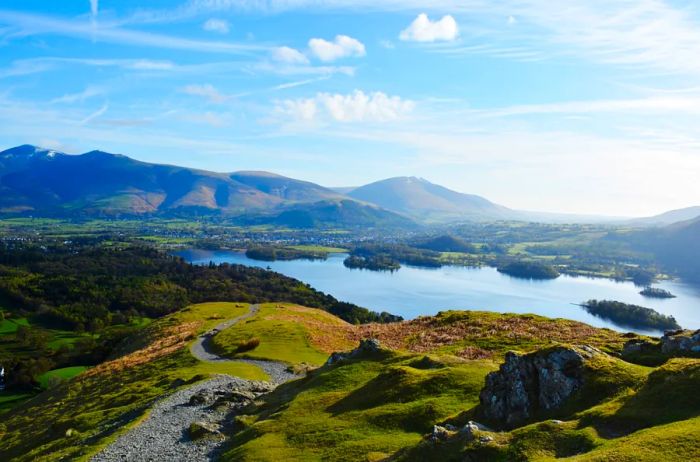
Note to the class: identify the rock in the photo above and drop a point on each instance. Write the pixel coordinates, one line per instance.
(261, 387)
(527, 384)
(201, 397)
(485, 439)
(470, 430)
(439, 433)
(368, 345)
(556, 422)
(680, 341)
(451, 427)
(200, 430)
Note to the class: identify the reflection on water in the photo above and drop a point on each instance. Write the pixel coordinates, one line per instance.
(412, 292)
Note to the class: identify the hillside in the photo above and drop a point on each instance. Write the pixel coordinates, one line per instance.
(421, 199)
(670, 217)
(382, 400)
(676, 246)
(49, 183)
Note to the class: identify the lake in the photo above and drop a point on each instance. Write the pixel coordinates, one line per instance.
(412, 292)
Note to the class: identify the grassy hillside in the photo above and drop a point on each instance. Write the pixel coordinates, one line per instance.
(375, 405)
(77, 417)
(289, 333)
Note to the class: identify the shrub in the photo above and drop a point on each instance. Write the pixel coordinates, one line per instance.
(247, 345)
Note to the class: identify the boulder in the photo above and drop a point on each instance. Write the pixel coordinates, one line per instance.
(470, 430)
(681, 341)
(368, 345)
(200, 398)
(526, 385)
(200, 430)
(637, 346)
(439, 434)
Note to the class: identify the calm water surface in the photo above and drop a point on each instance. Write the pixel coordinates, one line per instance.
(411, 292)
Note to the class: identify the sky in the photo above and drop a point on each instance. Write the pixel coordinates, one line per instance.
(583, 106)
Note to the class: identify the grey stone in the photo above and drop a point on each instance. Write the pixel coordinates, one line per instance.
(527, 384)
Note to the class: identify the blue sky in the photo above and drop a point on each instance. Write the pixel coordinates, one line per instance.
(590, 106)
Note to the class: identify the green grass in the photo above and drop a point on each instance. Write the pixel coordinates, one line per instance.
(285, 335)
(10, 399)
(637, 414)
(364, 409)
(319, 248)
(10, 326)
(64, 373)
(98, 407)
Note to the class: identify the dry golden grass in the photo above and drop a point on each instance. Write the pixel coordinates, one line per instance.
(325, 332)
(167, 340)
(481, 332)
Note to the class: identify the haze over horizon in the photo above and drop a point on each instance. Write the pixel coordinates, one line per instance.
(586, 108)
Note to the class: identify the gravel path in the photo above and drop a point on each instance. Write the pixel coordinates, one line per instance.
(202, 350)
(163, 436)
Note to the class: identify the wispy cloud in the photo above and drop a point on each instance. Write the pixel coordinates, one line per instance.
(219, 26)
(36, 65)
(25, 24)
(208, 92)
(95, 115)
(642, 33)
(71, 98)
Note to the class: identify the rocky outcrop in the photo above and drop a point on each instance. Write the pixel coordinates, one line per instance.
(368, 345)
(636, 346)
(681, 341)
(526, 385)
(200, 430)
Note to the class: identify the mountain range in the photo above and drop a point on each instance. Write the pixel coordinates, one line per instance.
(46, 182)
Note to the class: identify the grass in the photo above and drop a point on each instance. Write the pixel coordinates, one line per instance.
(376, 405)
(318, 248)
(64, 373)
(364, 409)
(634, 414)
(10, 399)
(10, 326)
(482, 334)
(288, 333)
(106, 400)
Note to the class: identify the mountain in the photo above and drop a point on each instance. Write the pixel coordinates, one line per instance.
(345, 213)
(670, 217)
(675, 246)
(421, 199)
(285, 188)
(45, 182)
(678, 247)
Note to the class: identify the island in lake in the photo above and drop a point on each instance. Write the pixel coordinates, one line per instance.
(654, 292)
(628, 315)
(529, 270)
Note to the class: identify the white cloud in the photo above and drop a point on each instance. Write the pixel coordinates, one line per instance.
(94, 6)
(216, 25)
(25, 24)
(95, 114)
(422, 29)
(343, 46)
(208, 92)
(70, 98)
(289, 55)
(357, 106)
